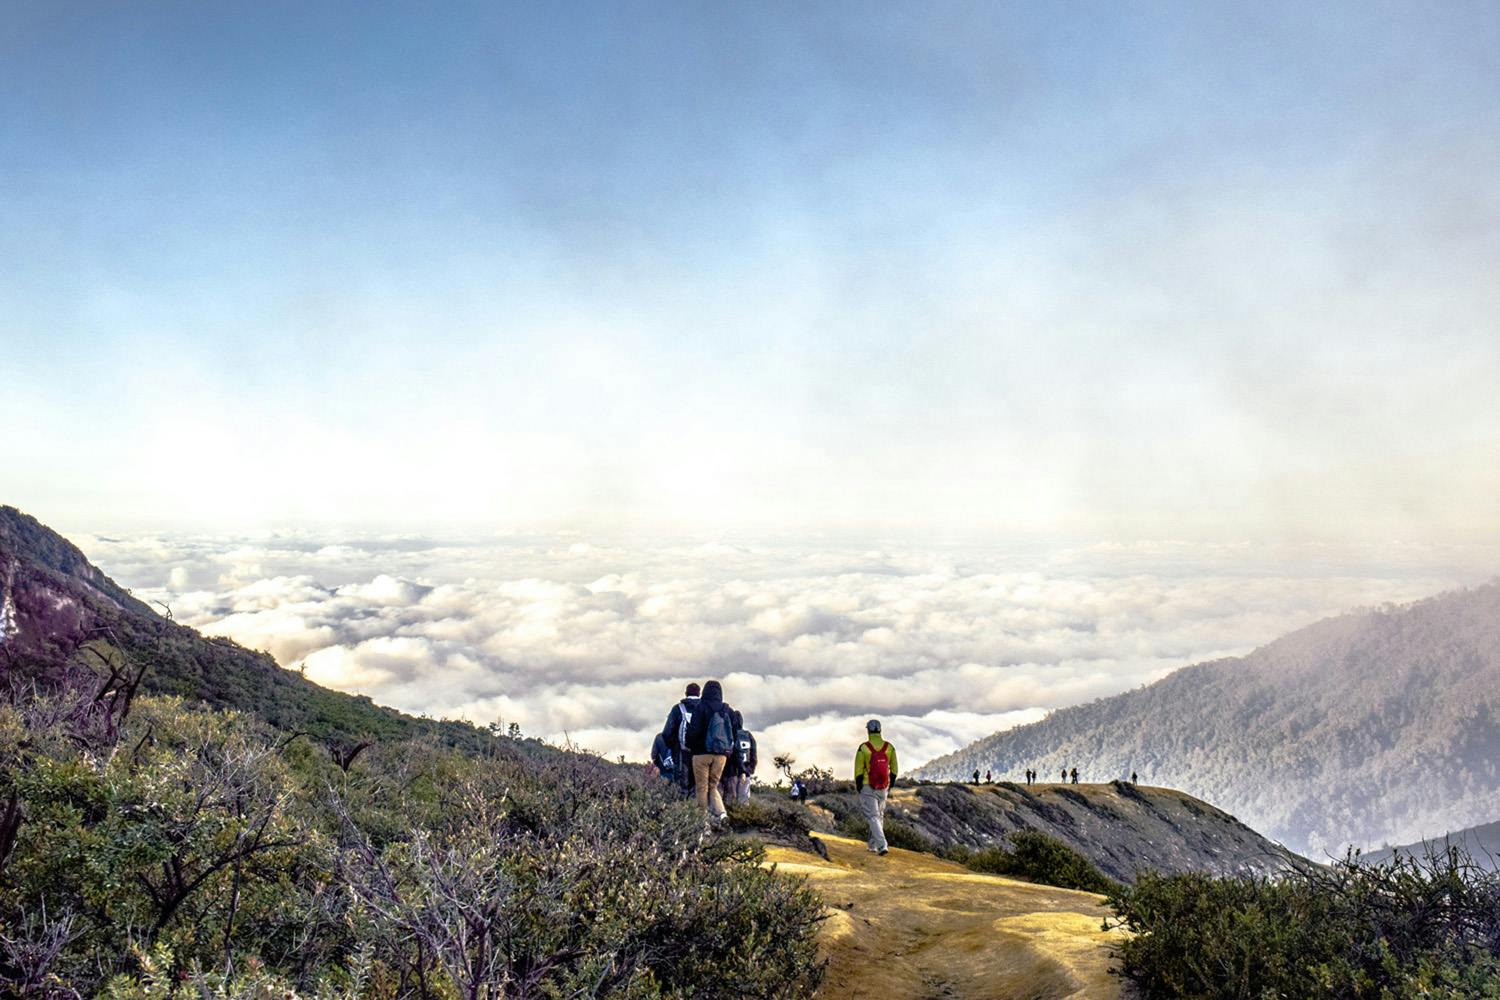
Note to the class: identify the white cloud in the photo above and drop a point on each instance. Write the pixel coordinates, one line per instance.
(594, 640)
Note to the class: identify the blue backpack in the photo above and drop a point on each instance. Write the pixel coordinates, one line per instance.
(720, 736)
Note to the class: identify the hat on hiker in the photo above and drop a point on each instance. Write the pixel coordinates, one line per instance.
(873, 726)
(692, 690)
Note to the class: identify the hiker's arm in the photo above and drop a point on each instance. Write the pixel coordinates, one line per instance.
(669, 731)
(890, 753)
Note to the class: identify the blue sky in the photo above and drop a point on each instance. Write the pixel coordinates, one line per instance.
(1068, 270)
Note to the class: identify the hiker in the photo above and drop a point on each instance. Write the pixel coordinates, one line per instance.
(1132, 777)
(1065, 776)
(1075, 775)
(1030, 776)
(976, 775)
(744, 751)
(729, 784)
(797, 791)
(662, 759)
(874, 773)
(986, 777)
(710, 739)
(675, 733)
(735, 785)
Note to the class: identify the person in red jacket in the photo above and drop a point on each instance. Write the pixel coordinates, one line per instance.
(874, 773)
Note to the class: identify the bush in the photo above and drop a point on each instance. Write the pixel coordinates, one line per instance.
(774, 818)
(1413, 927)
(1036, 857)
(206, 854)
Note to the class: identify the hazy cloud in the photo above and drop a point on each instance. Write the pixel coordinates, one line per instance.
(595, 639)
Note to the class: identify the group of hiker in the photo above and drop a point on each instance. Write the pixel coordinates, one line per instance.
(706, 750)
(1066, 776)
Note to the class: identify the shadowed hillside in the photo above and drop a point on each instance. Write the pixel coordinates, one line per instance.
(1376, 726)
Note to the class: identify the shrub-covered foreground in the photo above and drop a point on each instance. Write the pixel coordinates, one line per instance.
(183, 852)
(1410, 928)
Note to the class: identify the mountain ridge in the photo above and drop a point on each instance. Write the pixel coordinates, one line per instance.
(54, 604)
(1341, 732)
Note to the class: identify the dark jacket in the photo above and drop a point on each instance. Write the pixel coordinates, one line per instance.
(711, 704)
(662, 757)
(746, 755)
(669, 732)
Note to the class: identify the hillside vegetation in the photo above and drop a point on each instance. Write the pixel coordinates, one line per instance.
(1373, 727)
(153, 849)
(1423, 928)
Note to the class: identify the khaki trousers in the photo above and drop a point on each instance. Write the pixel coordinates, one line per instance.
(708, 768)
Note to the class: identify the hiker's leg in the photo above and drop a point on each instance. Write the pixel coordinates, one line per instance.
(744, 789)
(716, 763)
(703, 779)
(873, 805)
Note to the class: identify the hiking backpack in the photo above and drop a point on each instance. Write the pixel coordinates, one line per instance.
(720, 736)
(878, 774)
(745, 746)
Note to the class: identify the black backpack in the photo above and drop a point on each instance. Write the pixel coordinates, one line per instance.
(744, 749)
(719, 737)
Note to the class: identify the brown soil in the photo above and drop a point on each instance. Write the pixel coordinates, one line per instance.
(910, 925)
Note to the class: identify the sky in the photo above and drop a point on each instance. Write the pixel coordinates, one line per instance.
(1084, 273)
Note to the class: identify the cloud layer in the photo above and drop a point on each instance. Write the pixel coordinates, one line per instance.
(593, 641)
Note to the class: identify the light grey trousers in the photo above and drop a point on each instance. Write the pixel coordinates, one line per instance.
(872, 804)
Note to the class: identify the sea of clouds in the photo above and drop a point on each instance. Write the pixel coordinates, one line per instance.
(591, 641)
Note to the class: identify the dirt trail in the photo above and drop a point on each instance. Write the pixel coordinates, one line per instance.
(910, 925)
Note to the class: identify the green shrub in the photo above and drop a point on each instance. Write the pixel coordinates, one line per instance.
(1414, 927)
(206, 854)
(1036, 857)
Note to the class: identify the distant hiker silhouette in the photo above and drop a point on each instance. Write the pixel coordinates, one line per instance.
(1132, 777)
(976, 776)
(797, 792)
(1075, 775)
(986, 777)
(1065, 776)
(874, 773)
(675, 735)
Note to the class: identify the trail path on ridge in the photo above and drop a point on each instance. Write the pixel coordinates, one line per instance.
(911, 925)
